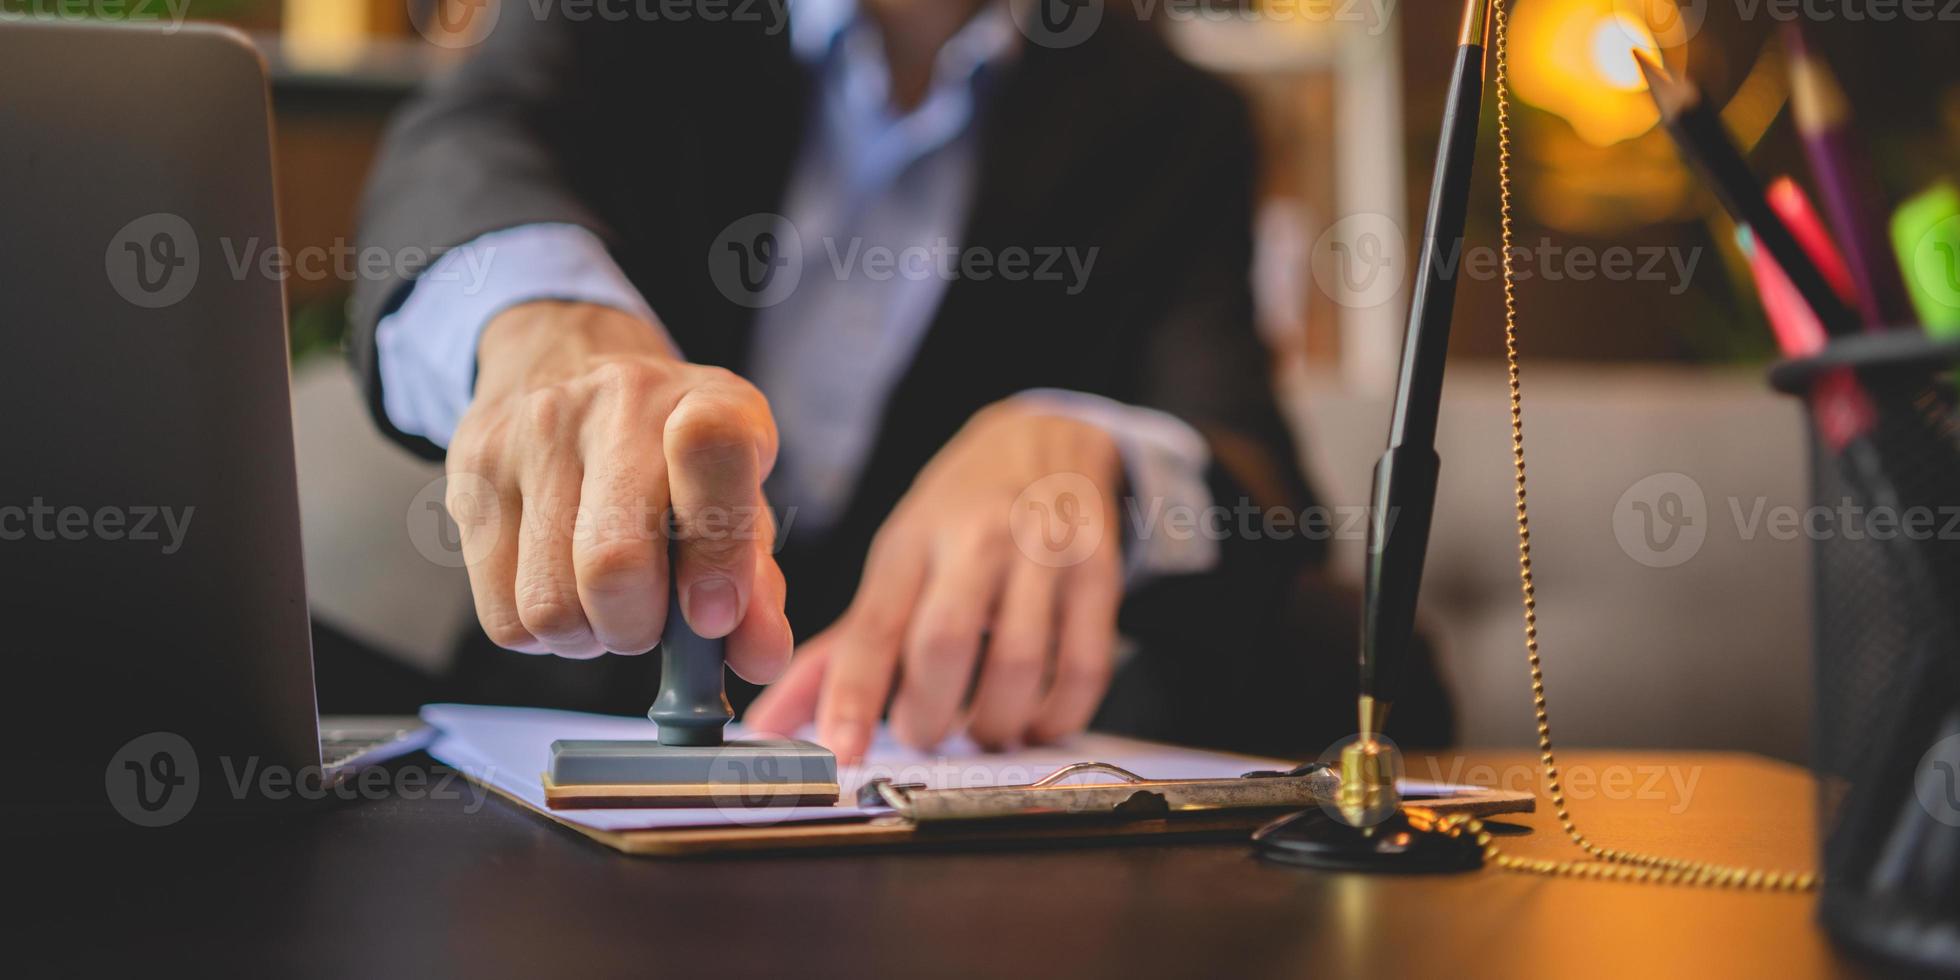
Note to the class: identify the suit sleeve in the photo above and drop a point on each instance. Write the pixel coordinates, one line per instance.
(1203, 360)
(1219, 654)
(495, 145)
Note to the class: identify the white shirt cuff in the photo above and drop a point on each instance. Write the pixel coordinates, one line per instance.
(427, 348)
(1165, 460)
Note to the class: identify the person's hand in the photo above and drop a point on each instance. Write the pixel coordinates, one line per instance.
(585, 430)
(1003, 559)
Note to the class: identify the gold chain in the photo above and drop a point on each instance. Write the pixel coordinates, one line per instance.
(1607, 863)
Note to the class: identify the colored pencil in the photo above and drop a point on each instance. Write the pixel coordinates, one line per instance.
(1845, 183)
(1698, 132)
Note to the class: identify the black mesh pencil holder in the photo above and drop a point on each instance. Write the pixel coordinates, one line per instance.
(1886, 737)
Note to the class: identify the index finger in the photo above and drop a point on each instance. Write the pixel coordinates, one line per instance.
(867, 646)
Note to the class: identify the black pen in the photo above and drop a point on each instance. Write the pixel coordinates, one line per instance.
(1405, 478)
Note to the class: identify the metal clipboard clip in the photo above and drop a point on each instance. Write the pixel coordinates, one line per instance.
(1129, 797)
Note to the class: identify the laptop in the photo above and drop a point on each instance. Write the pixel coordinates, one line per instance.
(153, 619)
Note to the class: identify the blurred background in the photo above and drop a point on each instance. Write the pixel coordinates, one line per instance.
(1643, 343)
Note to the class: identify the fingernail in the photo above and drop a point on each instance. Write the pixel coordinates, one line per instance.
(711, 607)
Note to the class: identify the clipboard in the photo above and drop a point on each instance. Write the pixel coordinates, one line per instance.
(1121, 807)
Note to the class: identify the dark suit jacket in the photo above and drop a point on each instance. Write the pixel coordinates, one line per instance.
(658, 135)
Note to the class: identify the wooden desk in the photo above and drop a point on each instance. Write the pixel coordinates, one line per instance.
(425, 888)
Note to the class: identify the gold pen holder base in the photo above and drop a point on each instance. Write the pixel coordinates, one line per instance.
(1366, 829)
(1318, 839)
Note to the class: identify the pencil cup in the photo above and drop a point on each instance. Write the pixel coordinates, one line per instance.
(1886, 733)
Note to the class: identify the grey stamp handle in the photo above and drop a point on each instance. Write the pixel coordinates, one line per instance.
(692, 708)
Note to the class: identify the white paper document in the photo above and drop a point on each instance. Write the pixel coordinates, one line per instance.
(510, 749)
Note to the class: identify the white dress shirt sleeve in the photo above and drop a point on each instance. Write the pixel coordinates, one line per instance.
(1165, 460)
(427, 348)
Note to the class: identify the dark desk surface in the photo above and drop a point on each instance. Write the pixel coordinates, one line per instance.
(419, 888)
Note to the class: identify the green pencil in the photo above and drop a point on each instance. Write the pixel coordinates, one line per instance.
(1926, 236)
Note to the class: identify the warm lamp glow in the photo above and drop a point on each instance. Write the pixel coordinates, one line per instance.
(326, 34)
(1615, 37)
(1574, 58)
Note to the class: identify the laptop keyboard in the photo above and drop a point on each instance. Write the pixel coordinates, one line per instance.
(337, 748)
